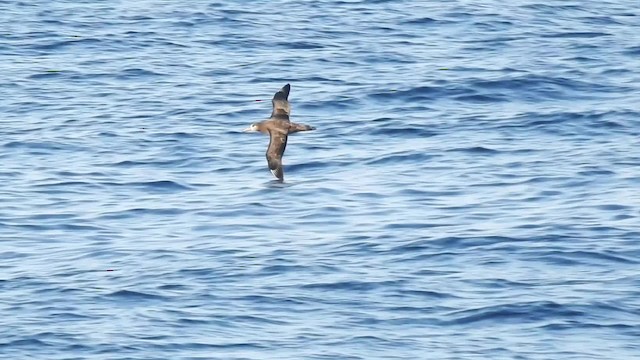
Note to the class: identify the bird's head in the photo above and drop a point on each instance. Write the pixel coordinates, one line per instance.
(252, 128)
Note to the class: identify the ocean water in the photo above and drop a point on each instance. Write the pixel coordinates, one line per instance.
(472, 190)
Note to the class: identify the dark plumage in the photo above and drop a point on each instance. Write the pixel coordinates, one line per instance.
(278, 127)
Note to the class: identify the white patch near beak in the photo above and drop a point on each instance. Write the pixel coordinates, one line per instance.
(251, 128)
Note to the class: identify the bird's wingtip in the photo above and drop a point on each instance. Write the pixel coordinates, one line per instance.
(283, 93)
(278, 173)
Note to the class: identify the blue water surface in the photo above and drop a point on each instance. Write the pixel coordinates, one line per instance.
(471, 190)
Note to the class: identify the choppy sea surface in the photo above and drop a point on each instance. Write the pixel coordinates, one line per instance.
(472, 190)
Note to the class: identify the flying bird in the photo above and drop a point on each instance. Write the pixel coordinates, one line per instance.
(278, 127)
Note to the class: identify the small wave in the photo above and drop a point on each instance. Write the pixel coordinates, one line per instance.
(134, 295)
(341, 103)
(170, 287)
(482, 98)
(9, 255)
(585, 34)
(590, 325)
(427, 294)
(515, 313)
(78, 227)
(35, 145)
(132, 213)
(421, 193)
(199, 272)
(552, 9)
(634, 50)
(281, 269)
(300, 45)
(31, 342)
(136, 73)
(402, 131)
(475, 150)
(544, 87)
(192, 346)
(61, 187)
(452, 243)
(613, 207)
(572, 258)
(251, 319)
(351, 285)
(413, 225)
(426, 21)
(77, 41)
(47, 74)
(174, 163)
(158, 186)
(396, 158)
(418, 93)
(570, 121)
(308, 165)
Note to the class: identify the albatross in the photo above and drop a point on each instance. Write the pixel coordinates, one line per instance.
(278, 127)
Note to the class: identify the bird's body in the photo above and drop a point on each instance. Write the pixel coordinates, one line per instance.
(278, 127)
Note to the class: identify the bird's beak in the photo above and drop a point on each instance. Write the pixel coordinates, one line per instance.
(249, 129)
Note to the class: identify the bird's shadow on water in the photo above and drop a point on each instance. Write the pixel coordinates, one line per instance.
(284, 184)
(277, 184)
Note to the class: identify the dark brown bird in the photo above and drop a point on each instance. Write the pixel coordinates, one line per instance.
(278, 127)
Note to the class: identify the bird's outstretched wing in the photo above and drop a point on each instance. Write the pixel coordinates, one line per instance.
(280, 101)
(277, 144)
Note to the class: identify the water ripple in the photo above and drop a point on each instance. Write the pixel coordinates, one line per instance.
(470, 190)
